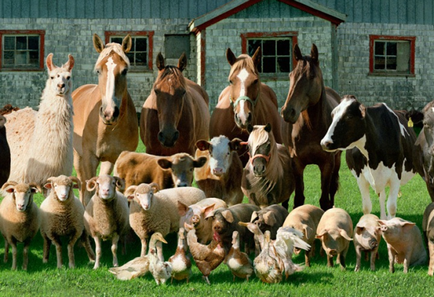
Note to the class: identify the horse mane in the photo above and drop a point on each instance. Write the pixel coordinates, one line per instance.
(243, 61)
(108, 49)
(274, 170)
(172, 71)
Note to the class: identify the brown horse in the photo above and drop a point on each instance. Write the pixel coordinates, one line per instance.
(105, 120)
(245, 102)
(302, 134)
(268, 176)
(175, 115)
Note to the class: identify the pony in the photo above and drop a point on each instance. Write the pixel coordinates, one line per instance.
(268, 176)
(105, 119)
(175, 115)
(307, 115)
(245, 102)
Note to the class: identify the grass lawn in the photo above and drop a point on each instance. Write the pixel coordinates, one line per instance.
(319, 280)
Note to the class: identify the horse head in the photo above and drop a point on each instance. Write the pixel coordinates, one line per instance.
(59, 81)
(261, 146)
(306, 85)
(245, 86)
(170, 90)
(112, 67)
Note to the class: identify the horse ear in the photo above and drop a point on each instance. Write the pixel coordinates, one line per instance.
(98, 44)
(160, 62)
(314, 53)
(49, 62)
(70, 64)
(127, 43)
(297, 53)
(257, 57)
(182, 62)
(267, 127)
(230, 57)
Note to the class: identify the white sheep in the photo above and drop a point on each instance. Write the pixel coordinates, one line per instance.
(157, 211)
(106, 214)
(41, 142)
(19, 219)
(62, 216)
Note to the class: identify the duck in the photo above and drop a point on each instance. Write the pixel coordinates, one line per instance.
(137, 267)
(207, 257)
(161, 270)
(238, 262)
(181, 263)
(268, 267)
(257, 235)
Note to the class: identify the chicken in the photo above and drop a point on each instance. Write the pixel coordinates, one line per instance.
(268, 267)
(207, 257)
(138, 266)
(181, 264)
(257, 235)
(237, 261)
(286, 240)
(160, 270)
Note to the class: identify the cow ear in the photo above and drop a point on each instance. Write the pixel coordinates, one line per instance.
(164, 163)
(200, 162)
(230, 57)
(297, 53)
(314, 54)
(269, 218)
(227, 214)
(203, 145)
(160, 62)
(182, 62)
(182, 208)
(345, 235)
(98, 44)
(235, 144)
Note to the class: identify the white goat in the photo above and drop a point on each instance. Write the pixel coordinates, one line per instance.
(41, 142)
(19, 219)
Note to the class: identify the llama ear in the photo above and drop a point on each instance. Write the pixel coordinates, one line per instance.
(160, 62)
(70, 64)
(182, 62)
(230, 57)
(98, 44)
(49, 62)
(127, 43)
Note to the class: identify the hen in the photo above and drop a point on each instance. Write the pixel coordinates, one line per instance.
(268, 267)
(181, 264)
(237, 261)
(207, 257)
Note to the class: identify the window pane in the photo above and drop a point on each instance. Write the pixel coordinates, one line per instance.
(283, 47)
(253, 45)
(269, 48)
(21, 58)
(141, 59)
(34, 42)
(34, 58)
(379, 48)
(175, 45)
(391, 48)
(8, 58)
(21, 42)
(403, 58)
(379, 63)
(130, 56)
(9, 43)
(269, 65)
(391, 63)
(141, 44)
(283, 64)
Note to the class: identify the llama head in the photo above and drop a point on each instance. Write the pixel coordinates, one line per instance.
(59, 78)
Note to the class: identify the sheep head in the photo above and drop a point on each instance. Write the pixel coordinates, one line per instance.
(105, 186)
(22, 194)
(62, 186)
(142, 194)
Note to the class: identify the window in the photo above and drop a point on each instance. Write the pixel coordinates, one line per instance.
(175, 45)
(276, 51)
(140, 54)
(22, 50)
(392, 55)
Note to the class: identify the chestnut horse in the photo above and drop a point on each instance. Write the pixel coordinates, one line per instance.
(245, 102)
(175, 115)
(268, 176)
(308, 112)
(105, 120)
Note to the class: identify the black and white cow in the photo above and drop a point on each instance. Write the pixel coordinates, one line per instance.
(379, 147)
(425, 143)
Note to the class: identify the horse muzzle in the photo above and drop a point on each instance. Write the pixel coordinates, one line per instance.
(109, 116)
(168, 138)
(289, 114)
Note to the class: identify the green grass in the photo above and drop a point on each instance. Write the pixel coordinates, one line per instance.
(318, 280)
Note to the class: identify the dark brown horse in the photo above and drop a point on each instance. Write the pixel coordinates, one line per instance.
(246, 101)
(307, 111)
(175, 115)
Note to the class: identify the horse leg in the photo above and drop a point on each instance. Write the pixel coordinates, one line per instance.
(299, 184)
(85, 166)
(106, 168)
(327, 170)
(334, 182)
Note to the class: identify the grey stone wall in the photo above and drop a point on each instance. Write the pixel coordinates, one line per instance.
(397, 92)
(74, 36)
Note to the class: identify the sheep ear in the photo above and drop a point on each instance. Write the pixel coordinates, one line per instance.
(227, 214)
(155, 187)
(91, 183)
(76, 181)
(164, 163)
(182, 208)
(9, 183)
(129, 193)
(35, 188)
(9, 189)
(269, 218)
(120, 183)
(48, 185)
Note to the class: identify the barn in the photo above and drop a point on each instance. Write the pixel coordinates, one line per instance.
(376, 50)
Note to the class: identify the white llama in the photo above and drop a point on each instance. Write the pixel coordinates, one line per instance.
(41, 142)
